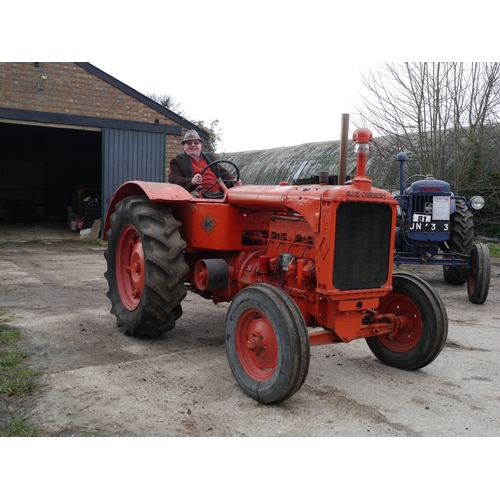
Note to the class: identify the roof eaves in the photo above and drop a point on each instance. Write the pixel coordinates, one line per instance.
(141, 97)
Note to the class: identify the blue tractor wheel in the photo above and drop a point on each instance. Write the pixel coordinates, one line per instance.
(461, 240)
(478, 283)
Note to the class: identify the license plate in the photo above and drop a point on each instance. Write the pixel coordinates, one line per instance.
(429, 227)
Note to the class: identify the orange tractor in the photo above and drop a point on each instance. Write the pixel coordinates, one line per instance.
(300, 265)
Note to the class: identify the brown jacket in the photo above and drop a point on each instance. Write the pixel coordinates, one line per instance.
(181, 170)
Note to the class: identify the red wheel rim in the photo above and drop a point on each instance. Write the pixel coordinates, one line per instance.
(410, 329)
(130, 267)
(256, 345)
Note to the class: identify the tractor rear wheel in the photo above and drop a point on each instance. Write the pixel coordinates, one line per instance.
(267, 343)
(462, 235)
(146, 267)
(424, 324)
(478, 283)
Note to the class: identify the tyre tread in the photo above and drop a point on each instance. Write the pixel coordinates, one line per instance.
(165, 267)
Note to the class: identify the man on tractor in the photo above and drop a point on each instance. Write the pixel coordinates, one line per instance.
(186, 167)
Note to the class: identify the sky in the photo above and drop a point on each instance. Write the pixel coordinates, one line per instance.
(273, 73)
(266, 106)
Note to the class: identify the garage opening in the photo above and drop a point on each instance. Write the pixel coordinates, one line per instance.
(47, 173)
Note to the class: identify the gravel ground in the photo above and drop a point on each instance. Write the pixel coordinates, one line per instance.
(95, 381)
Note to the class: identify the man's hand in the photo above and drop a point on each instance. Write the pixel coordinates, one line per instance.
(196, 180)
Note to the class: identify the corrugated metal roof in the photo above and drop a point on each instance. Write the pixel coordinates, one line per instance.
(272, 166)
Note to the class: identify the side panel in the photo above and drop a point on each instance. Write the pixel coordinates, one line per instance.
(219, 226)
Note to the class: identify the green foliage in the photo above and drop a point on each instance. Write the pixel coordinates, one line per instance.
(214, 140)
(487, 220)
(213, 131)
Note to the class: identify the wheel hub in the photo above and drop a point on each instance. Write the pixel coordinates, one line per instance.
(409, 322)
(257, 346)
(130, 270)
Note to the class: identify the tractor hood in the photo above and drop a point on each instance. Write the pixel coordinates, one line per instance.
(429, 186)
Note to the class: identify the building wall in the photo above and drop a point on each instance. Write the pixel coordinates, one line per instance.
(70, 89)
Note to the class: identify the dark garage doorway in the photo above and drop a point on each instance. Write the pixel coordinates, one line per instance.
(46, 172)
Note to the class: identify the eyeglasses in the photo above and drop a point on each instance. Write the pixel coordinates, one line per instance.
(192, 143)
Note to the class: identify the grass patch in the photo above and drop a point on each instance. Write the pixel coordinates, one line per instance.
(494, 249)
(19, 382)
(94, 241)
(11, 359)
(9, 337)
(19, 428)
(15, 379)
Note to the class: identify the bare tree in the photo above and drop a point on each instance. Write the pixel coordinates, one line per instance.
(422, 107)
(213, 130)
(166, 100)
(426, 108)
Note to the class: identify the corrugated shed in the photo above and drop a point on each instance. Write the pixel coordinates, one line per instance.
(272, 166)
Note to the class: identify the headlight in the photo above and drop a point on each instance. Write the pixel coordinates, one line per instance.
(477, 202)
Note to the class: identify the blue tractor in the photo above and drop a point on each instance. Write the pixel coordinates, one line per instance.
(435, 227)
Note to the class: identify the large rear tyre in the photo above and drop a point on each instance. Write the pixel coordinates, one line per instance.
(462, 236)
(146, 267)
(478, 283)
(267, 343)
(424, 324)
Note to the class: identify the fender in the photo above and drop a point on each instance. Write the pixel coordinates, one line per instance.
(155, 191)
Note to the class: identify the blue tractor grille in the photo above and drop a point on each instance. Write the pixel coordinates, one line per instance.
(421, 222)
(422, 204)
(362, 245)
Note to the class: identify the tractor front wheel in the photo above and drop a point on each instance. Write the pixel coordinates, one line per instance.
(423, 324)
(146, 267)
(478, 283)
(267, 343)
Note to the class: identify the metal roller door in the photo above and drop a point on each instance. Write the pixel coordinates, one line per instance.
(130, 155)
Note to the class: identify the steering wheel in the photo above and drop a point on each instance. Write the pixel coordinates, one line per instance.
(414, 176)
(208, 193)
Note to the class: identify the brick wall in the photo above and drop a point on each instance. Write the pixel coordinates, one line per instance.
(70, 89)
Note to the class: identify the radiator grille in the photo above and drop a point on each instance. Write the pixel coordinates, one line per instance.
(362, 245)
(423, 204)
